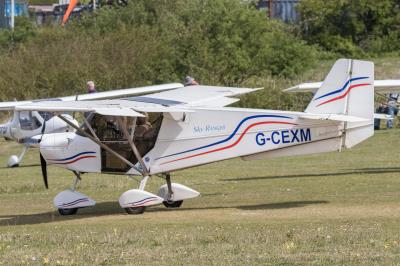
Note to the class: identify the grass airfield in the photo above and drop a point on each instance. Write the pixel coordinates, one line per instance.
(330, 209)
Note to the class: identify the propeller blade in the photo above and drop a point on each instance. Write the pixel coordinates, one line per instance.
(43, 164)
(43, 130)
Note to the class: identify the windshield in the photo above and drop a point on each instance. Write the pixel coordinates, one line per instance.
(28, 122)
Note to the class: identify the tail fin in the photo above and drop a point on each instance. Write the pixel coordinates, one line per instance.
(348, 90)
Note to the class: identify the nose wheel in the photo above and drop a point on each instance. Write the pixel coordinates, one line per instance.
(135, 210)
(69, 201)
(68, 211)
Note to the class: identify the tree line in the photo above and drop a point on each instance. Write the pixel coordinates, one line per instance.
(219, 42)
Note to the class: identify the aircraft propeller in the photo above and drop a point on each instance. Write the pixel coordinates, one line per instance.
(43, 165)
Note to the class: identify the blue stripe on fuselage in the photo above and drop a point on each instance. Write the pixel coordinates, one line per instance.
(230, 136)
(72, 157)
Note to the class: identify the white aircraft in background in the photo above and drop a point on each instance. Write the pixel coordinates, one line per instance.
(383, 86)
(164, 132)
(24, 125)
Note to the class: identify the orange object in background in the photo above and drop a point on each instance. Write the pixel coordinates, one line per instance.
(71, 7)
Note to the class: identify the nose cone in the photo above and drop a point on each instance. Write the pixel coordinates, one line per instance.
(54, 141)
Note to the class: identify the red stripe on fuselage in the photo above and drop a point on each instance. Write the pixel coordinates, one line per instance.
(233, 144)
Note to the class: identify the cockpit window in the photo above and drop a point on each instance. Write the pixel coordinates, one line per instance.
(28, 122)
(106, 128)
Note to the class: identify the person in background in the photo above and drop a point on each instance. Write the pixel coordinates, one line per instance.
(189, 81)
(391, 108)
(382, 109)
(90, 87)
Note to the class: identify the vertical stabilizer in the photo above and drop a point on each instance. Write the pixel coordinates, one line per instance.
(348, 89)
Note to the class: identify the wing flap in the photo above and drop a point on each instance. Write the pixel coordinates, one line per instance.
(117, 111)
(199, 96)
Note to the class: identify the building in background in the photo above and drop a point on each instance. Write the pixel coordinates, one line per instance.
(280, 9)
(20, 9)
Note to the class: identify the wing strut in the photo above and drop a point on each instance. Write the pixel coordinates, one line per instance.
(100, 144)
(145, 172)
(90, 128)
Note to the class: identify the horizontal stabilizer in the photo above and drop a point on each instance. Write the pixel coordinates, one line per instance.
(333, 117)
(383, 86)
(383, 116)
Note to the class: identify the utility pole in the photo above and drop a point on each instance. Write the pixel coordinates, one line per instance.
(12, 11)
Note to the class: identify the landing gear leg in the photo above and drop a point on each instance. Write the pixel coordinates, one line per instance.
(14, 160)
(76, 181)
(169, 203)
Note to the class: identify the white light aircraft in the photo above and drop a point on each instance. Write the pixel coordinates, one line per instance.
(383, 86)
(24, 125)
(380, 87)
(163, 132)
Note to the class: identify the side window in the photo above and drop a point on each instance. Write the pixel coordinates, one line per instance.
(28, 122)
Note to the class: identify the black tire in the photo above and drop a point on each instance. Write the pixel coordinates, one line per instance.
(68, 211)
(135, 210)
(173, 204)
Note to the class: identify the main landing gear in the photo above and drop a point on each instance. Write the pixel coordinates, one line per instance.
(135, 201)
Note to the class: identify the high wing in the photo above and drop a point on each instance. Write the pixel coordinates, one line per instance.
(174, 101)
(97, 96)
(196, 96)
(104, 107)
(383, 86)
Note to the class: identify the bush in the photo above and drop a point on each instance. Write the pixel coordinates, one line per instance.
(350, 27)
(23, 30)
(154, 41)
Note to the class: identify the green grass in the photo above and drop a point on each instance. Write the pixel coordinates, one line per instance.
(326, 209)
